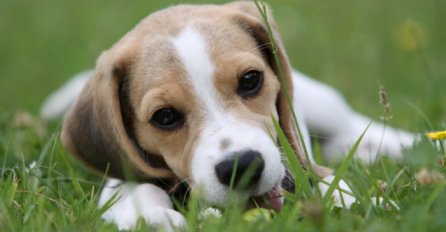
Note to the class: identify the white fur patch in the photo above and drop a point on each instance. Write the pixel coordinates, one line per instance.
(191, 47)
(242, 137)
(220, 125)
(139, 200)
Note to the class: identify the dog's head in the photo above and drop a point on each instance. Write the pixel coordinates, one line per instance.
(188, 95)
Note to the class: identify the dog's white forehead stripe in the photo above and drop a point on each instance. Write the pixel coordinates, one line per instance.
(191, 47)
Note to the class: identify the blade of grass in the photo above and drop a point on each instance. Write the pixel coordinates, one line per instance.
(293, 164)
(343, 167)
(4, 162)
(73, 177)
(50, 145)
(261, 7)
(233, 174)
(108, 204)
(438, 189)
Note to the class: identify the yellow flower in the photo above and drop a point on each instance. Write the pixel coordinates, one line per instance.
(438, 135)
(410, 35)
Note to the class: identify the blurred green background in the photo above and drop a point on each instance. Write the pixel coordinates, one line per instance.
(354, 45)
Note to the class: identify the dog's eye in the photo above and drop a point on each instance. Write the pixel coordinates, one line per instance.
(250, 84)
(167, 119)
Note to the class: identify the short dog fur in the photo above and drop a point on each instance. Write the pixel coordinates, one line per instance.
(188, 91)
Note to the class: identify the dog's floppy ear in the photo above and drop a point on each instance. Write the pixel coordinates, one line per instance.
(97, 128)
(251, 21)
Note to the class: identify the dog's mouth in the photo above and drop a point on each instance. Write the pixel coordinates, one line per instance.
(273, 199)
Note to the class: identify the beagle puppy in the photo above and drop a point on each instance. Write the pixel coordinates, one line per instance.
(188, 96)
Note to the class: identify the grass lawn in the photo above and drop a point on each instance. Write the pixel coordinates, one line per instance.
(354, 45)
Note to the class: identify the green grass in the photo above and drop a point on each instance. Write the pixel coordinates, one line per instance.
(354, 45)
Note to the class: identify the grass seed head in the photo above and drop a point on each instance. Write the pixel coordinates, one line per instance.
(384, 100)
(425, 177)
(382, 185)
(313, 210)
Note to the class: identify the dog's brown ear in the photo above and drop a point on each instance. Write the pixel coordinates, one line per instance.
(250, 19)
(97, 128)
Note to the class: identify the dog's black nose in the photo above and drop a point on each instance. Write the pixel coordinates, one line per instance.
(242, 170)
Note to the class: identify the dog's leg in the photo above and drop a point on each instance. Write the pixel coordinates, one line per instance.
(134, 201)
(338, 126)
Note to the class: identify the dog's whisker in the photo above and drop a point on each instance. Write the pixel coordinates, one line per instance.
(313, 136)
(185, 197)
(179, 183)
(260, 47)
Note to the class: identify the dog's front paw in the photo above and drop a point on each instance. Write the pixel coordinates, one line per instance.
(342, 196)
(135, 201)
(159, 217)
(168, 219)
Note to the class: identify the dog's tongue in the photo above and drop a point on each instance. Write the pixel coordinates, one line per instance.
(271, 199)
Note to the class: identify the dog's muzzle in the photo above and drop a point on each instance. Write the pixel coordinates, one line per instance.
(243, 171)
